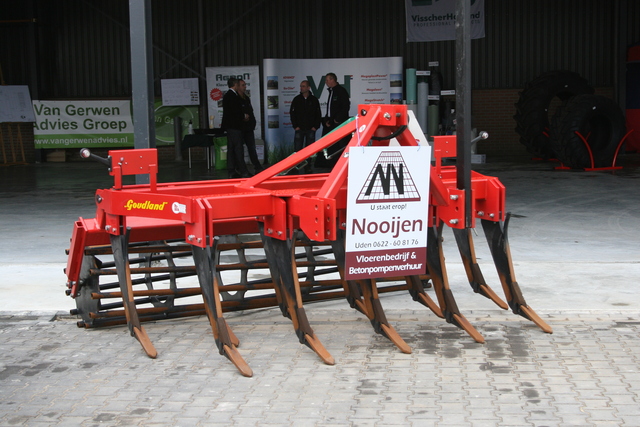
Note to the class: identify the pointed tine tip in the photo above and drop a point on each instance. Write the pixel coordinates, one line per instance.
(393, 336)
(237, 360)
(147, 345)
(533, 316)
(314, 343)
(464, 324)
(485, 290)
(430, 304)
(245, 371)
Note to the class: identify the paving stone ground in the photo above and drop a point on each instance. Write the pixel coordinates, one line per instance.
(574, 242)
(587, 373)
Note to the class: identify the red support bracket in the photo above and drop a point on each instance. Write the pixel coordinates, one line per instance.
(134, 162)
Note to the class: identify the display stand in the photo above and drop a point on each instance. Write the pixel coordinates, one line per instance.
(203, 138)
(15, 108)
(205, 141)
(7, 144)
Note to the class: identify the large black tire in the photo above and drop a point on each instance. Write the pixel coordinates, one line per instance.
(533, 107)
(593, 116)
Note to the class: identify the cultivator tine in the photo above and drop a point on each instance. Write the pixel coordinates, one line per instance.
(119, 246)
(476, 279)
(226, 340)
(496, 234)
(281, 259)
(416, 289)
(376, 314)
(438, 273)
(363, 296)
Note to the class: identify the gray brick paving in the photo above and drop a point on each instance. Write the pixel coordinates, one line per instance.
(587, 373)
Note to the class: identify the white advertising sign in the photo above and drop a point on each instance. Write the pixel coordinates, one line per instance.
(15, 104)
(82, 124)
(435, 20)
(180, 92)
(387, 212)
(217, 86)
(367, 80)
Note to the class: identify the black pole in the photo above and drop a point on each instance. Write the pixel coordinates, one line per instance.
(177, 135)
(144, 131)
(463, 103)
(203, 107)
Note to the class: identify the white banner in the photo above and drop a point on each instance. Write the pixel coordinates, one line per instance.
(368, 81)
(180, 92)
(82, 124)
(217, 86)
(387, 212)
(15, 104)
(434, 20)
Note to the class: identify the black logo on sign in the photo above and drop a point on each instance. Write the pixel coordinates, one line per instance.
(389, 181)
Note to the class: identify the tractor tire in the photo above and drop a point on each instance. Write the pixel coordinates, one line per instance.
(532, 109)
(597, 118)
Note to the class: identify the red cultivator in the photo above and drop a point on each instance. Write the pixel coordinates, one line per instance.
(300, 222)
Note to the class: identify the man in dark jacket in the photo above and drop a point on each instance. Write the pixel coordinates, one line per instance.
(338, 105)
(305, 117)
(249, 124)
(233, 122)
(337, 112)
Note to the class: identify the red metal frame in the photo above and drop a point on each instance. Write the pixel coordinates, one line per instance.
(489, 195)
(615, 156)
(593, 168)
(315, 203)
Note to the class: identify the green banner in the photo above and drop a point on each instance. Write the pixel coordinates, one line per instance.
(165, 117)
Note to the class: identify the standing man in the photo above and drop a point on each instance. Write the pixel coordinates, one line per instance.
(338, 105)
(233, 123)
(305, 117)
(248, 125)
(337, 112)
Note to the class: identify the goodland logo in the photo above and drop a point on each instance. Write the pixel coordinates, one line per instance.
(145, 206)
